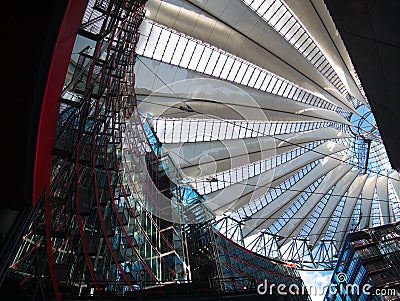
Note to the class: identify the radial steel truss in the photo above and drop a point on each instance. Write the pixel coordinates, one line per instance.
(298, 251)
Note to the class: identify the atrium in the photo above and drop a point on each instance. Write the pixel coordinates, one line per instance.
(187, 147)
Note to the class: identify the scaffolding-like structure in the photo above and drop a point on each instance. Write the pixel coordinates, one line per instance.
(299, 251)
(99, 230)
(92, 234)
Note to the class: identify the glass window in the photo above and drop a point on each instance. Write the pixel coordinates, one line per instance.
(295, 28)
(296, 94)
(196, 57)
(309, 49)
(227, 68)
(152, 41)
(209, 130)
(204, 59)
(263, 7)
(260, 80)
(188, 54)
(277, 86)
(305, 45)
(234, 70)
(298, 34)
(286, 17)
(301, 40)
(241, 72)
(315, 59)
(212, 62)
(285, 29)
(229, 131)
(185, 131)
(220, 65)
(271, 84)
(272, 10)
(170, 48)
(249, 72)
(312, 54)
(180, 47)
(292, 91)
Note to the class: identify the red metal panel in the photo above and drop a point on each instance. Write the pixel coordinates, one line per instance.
(49, 112)
(55, 80)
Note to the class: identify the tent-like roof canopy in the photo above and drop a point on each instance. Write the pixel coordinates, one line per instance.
(258, 106)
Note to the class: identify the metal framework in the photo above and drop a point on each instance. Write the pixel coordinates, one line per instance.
(93, 234)
(132, 194)
(273, 129)
(369, 258)
(101, 230)
(298, 251)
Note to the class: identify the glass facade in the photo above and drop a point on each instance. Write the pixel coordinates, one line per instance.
(368, 266)
(238, 269)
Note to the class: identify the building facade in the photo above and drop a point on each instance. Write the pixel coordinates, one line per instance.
(368, 266)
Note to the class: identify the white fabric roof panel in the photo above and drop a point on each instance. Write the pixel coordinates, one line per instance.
(271, 53)
(261, 124)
